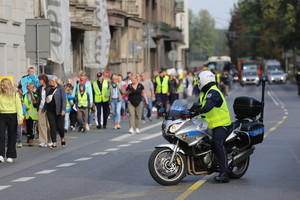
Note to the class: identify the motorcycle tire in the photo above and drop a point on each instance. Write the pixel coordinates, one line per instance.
(237, 171)
(164, 174)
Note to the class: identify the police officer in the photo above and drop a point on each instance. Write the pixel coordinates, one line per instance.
(215, 111)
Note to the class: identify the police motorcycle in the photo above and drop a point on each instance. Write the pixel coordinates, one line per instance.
(190, 149)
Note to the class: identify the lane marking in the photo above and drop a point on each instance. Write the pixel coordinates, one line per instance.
(83, 159)
(134, 142)
(273, 99)
(122, 137)
(124, 145)
(152, 136)
(112, 149)
(66, 165)
(98, 153)
(2, 187)
(46, 171)
(275, 126)
(23, 179)
(194, 187)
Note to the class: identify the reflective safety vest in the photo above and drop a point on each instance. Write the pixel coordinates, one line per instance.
(217, 116)
(195, 81)
(101, 96)
(68, 105)
(32, 111)
(82, 100)
(162, 87)
(218, 78)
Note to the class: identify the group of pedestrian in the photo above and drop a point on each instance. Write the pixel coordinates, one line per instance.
(54, 107)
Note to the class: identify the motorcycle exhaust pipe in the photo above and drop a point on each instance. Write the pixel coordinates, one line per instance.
(242, 156)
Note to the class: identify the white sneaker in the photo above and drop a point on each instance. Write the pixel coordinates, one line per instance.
(43, 145)
(9, 160)
(143, 121)
(1, 159)
(137, 130)
(49, 144)
(131, 131)
(87, 127)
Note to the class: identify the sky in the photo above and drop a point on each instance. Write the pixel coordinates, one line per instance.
(218, 9)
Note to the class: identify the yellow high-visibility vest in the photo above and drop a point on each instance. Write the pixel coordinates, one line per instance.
(82, 100)
(32, 111)
(217, 116)
(162, 87)
(101, 96)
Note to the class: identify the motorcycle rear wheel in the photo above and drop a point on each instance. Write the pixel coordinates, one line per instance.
(163, 172)
(237, 171)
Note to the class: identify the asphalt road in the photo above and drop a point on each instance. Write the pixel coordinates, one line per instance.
(112, 164)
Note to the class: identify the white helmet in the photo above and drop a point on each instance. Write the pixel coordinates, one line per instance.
(204, 77)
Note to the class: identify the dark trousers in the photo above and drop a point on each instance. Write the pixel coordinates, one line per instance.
(9, 123)
(162, 98)
(31, 128)
(219, 136)
(56, 123)
(173, 97)
(103, 106)
(73, 117)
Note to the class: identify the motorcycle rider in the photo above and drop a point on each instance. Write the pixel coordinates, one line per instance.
(215, 111)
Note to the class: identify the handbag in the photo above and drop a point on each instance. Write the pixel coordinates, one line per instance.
(50, 97)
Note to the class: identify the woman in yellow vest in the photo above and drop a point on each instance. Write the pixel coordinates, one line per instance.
(10, 116)
(82, 104)
(31, 116)
(215, 111)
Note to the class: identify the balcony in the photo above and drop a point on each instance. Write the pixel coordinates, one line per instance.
(161, 29)
(179, 6)
(82, 15)
(175, 35)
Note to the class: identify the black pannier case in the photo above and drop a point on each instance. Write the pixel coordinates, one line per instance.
(253, 131)
(246, 107)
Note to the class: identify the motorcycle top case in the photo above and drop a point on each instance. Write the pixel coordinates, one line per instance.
(253, 131)
(246, 107)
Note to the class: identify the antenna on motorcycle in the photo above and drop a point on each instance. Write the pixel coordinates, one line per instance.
(263, 81)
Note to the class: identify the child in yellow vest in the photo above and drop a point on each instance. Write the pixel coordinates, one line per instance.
(82, 104)
(31, 116)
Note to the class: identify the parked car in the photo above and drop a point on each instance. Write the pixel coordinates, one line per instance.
(250, 77)
(277, 77)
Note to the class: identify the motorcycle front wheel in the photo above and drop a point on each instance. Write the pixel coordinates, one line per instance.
(237, 171)
(164, 172)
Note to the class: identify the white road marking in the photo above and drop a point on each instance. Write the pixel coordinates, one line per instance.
(122, 137)
(152, 136)
(23, 179)
(112, 149)
(66, 165)
(2, 187)
(46, 171)
(83, 159)
(124, 145)
(135, 142)
(273, 99)
(98, 153)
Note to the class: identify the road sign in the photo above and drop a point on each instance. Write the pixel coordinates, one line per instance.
(173, 55)
(134, 47)
(149, 31)
(37, 38)
(149, 43)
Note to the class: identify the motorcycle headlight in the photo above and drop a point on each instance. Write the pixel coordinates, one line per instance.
(173, 128)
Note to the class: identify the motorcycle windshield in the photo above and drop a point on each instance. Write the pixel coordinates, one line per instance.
(177, 107)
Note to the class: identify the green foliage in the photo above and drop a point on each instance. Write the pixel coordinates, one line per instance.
(205, 39)
(265, 27)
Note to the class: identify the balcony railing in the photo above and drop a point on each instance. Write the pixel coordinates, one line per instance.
(161, 28)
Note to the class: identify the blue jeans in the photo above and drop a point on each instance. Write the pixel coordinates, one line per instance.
(116, 110)
(67, 121)
(148, 107)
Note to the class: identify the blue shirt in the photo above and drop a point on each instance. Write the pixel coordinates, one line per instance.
(213, 99)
